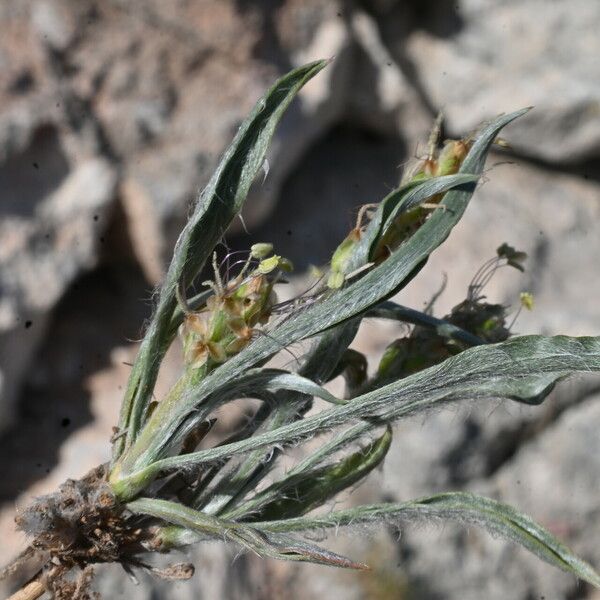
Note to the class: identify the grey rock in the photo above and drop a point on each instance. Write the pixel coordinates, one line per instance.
(382, 95)
(54, 23)
(478, 58)
(140, 72)
(158, 89)
(130, 90)
(51, 232)
(552, 218)
(162, 181)
(550, 479)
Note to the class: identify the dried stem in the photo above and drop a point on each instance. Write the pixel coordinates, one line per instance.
(34, 589)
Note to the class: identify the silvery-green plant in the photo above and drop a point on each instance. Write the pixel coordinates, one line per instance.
(164, 489)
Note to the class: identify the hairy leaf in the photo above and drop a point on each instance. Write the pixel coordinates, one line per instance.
(258, 381)
(522, 369)
(300, 493)
(337, 307)
(493, 516)
(220, 201)
(281, 547)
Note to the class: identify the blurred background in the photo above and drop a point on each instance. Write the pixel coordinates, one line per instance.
(114, 113)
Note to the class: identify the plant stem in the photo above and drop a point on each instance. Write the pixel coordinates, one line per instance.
(125, 490)
(34, 589)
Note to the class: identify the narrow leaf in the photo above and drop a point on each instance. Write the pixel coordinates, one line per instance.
(218, 204)
(275, 380)
(332, 310)
(489, 514)
(289, 406)
(300, 493)
(521, 369)
(280, 547)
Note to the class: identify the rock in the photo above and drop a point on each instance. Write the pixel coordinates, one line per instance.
(130, 90)
(550, 479)
(169, 94)
(52, 227)
(126, 106)
(321, 106)
(382, 96)
(478, 58)
(53, 182)
(54, 23)
(553, 220)
(471, 441)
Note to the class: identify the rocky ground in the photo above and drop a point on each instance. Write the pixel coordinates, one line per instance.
(114, 113)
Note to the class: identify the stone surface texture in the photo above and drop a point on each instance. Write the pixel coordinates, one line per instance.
(113, 115)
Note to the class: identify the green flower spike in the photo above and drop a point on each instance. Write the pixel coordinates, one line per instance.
(226, 324)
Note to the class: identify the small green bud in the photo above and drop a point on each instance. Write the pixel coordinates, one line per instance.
(341, 259)
(268, 265)
(452, 156)
(393, 356)
(261, 250)
(286, 265)
(527, 300)
(335, 280)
